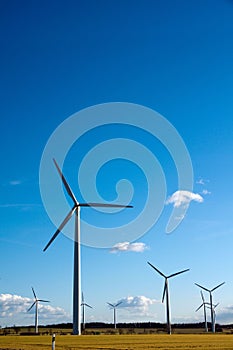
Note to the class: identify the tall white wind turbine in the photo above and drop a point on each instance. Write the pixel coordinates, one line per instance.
(83, 304)
(77, 266)
(114, 307)
(166, 292)
(204, 303)
(36, 303)
(211, 303)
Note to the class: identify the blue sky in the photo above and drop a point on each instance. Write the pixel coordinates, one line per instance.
(174, 57)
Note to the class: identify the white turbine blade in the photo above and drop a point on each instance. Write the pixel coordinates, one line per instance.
(32, 306)
(199, 307)
(82, 298)
(177, 273)
(64, 222)
(202, 296)
(104, 205)
(118, 303)
(33, 292)
(156, 269)
(88, 305)
(110, 304)
(43, 301)
(216, 305)
(68, 189)
(202, 287)
(164, 291)
(217, 286)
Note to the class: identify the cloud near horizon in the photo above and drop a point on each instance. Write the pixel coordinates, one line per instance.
(16, 306)
(225, 315)
(138, 247)
(183, 198)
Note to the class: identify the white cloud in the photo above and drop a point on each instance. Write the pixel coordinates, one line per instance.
(128, 247)
(16, 306)
(48, 312)
(140, 303)
(11, 304)
(225, 315)
(183, 198)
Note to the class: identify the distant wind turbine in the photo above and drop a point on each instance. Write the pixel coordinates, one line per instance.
(166, 291)
(114, 307)
(83, 304)
(77, 266)
(214, 312)
(211, 303)
(204, 308)
(36, 302)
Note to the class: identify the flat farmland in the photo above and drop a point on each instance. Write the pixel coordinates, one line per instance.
(120, 342)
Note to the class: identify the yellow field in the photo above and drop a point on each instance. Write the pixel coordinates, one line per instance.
(120, 342)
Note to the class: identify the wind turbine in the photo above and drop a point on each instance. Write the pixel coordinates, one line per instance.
(36, 302)
(77, 266)
(114, 307)
(83, 304)
(214, 307)
(211, 303)
(204, 308)
(166, 291)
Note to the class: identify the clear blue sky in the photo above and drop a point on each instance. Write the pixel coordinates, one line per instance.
(173, 56)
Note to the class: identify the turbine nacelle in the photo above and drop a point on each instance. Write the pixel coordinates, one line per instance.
(114, 306)
(165, 290)
(85, 304)
(210, 290)
(37, 300)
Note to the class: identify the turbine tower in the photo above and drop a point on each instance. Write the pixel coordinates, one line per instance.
(77, 268)
(214, 307)
(166, 291)
(204, 308)
(114, 307)
(36, 302)
(83, 304)
(211, 303)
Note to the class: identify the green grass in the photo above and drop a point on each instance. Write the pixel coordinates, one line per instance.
(120, 342)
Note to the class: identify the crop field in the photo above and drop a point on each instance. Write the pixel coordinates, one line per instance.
(120, 342)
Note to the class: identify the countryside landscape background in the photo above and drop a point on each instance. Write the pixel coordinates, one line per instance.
(174, 57)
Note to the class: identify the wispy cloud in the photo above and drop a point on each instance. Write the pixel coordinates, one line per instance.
(128, 247)
(202, 181)
(17, 306)
(15, 182)
(21, 206)
(205, 192)
(183, 198)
